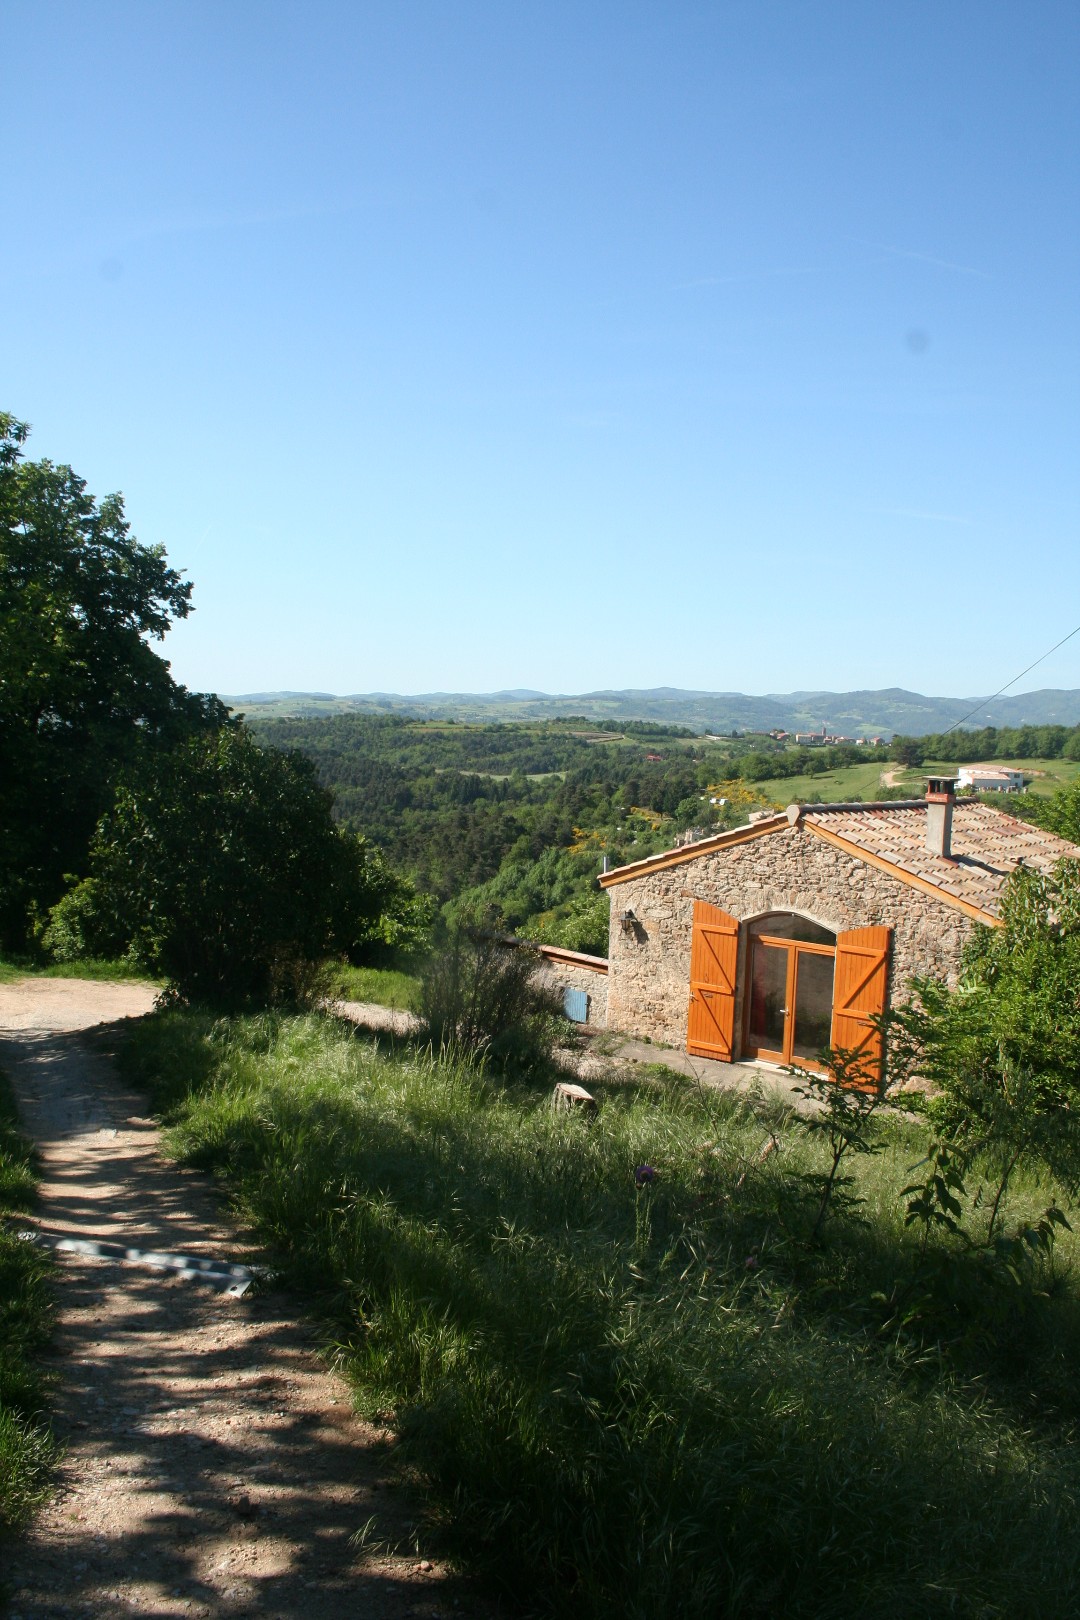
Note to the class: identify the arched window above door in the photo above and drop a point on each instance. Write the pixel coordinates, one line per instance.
(789, 1007)
(789, 925)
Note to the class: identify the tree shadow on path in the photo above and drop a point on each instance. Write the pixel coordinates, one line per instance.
(213, 1465)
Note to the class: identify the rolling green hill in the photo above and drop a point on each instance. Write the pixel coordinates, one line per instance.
(852, 714)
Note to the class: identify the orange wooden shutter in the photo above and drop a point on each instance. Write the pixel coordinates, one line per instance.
(714, 953)
(859, 990)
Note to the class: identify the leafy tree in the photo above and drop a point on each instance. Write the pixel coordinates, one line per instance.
(1060, 813)
(1003, 1048)
(581, 924)
(907, 751)
(222, 868)
(81, 691)
(846, 1100)
(81, 925)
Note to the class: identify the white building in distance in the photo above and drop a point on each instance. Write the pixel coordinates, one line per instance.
(986, 779)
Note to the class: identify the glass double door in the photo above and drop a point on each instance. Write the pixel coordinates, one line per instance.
(789, 1017)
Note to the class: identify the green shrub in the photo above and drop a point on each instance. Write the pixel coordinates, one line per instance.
(482, 997)
(579, 925)
(80, 927)
(1003, 1048)
(223, 869)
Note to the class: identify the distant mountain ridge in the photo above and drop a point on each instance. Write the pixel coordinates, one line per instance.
(848, 713)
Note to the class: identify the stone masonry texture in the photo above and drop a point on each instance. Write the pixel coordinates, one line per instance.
(591, 980)
(786, 870)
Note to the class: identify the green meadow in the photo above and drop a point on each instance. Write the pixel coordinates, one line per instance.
(86, 968)
(867, 781)
(629, 1379)
(849, 782)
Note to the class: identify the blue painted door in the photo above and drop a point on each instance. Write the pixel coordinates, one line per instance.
(576, 1005)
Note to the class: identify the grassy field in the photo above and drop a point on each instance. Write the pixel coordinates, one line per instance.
(862, 781)
(658, 1400)
(89, 968)
(386, 987)
(1046, 775)
(26, 1450)
(865, 781)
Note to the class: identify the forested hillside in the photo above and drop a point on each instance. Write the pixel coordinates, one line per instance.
(515, 819)
(854, 714)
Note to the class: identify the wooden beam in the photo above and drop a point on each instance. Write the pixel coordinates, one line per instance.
(578, 959)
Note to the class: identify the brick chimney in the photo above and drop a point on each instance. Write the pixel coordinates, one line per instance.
(940, 799)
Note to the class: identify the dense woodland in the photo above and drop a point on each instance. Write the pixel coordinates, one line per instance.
(513, 821)
(991, 742)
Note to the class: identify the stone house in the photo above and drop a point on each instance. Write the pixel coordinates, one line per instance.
(786, 935)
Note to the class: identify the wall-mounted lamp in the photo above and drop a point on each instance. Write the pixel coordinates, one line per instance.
(628, 921)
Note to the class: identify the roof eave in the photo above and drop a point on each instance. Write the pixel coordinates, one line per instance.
(690, 852)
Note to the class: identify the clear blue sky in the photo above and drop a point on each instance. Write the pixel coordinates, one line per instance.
(463, 346)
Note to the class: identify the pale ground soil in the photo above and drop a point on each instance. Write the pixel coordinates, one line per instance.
(212, 1463)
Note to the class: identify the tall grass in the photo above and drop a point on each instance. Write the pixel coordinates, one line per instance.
(480, 999)
(385, 987)
(26, 1449)
(91, 967)
(636, 1401)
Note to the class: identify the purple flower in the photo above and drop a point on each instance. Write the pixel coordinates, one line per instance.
(644, 1174)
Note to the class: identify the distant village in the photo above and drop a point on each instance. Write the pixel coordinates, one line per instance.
(807, 739)
(823, 738)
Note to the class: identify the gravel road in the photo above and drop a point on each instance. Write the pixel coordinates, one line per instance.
(213, 1465)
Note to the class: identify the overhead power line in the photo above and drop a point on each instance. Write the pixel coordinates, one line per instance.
(1005, 688)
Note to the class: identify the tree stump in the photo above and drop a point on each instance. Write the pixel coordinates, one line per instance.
(567, 1097)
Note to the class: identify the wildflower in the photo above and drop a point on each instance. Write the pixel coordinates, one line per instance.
(644, 1174)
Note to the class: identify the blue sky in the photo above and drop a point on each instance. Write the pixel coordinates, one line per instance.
(463, 346)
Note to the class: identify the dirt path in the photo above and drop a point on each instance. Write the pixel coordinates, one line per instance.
(213, 1465)
(382, 1020)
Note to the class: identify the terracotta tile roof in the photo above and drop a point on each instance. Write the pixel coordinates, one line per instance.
(986, 845)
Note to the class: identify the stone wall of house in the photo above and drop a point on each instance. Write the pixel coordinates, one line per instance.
(563, 974)
(787, 870)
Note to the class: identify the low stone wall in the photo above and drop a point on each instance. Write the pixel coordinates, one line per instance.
(576, 971)
(786, 870)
